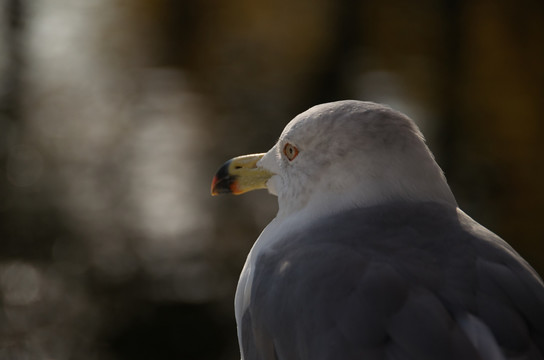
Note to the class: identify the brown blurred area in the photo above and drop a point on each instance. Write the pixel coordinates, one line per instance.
(114, 116)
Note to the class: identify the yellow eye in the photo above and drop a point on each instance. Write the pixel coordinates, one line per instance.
(290, 151)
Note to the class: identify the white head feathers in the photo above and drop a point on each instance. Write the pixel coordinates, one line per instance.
(352, 153)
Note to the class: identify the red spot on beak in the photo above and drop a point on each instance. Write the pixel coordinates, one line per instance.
(234, 188)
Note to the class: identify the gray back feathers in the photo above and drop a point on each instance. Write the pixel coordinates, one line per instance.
(397, 281)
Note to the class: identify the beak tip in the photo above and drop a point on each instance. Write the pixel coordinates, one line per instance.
(213, 189)
(224, 185)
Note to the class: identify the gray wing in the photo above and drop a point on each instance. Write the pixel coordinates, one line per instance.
(417, 281)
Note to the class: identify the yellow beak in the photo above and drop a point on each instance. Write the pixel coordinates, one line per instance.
(240, 175)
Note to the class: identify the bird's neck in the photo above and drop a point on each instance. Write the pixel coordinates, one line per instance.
(365, 194)
(365, 186)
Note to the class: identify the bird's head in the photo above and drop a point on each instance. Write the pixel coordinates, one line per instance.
(341, 155)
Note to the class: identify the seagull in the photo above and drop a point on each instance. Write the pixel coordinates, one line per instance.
(369, 256)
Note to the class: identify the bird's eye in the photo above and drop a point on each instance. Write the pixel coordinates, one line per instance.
(290, 151)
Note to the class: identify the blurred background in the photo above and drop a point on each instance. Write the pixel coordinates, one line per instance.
(115, 115)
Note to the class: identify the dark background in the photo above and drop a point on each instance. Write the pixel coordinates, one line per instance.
(115, 114)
